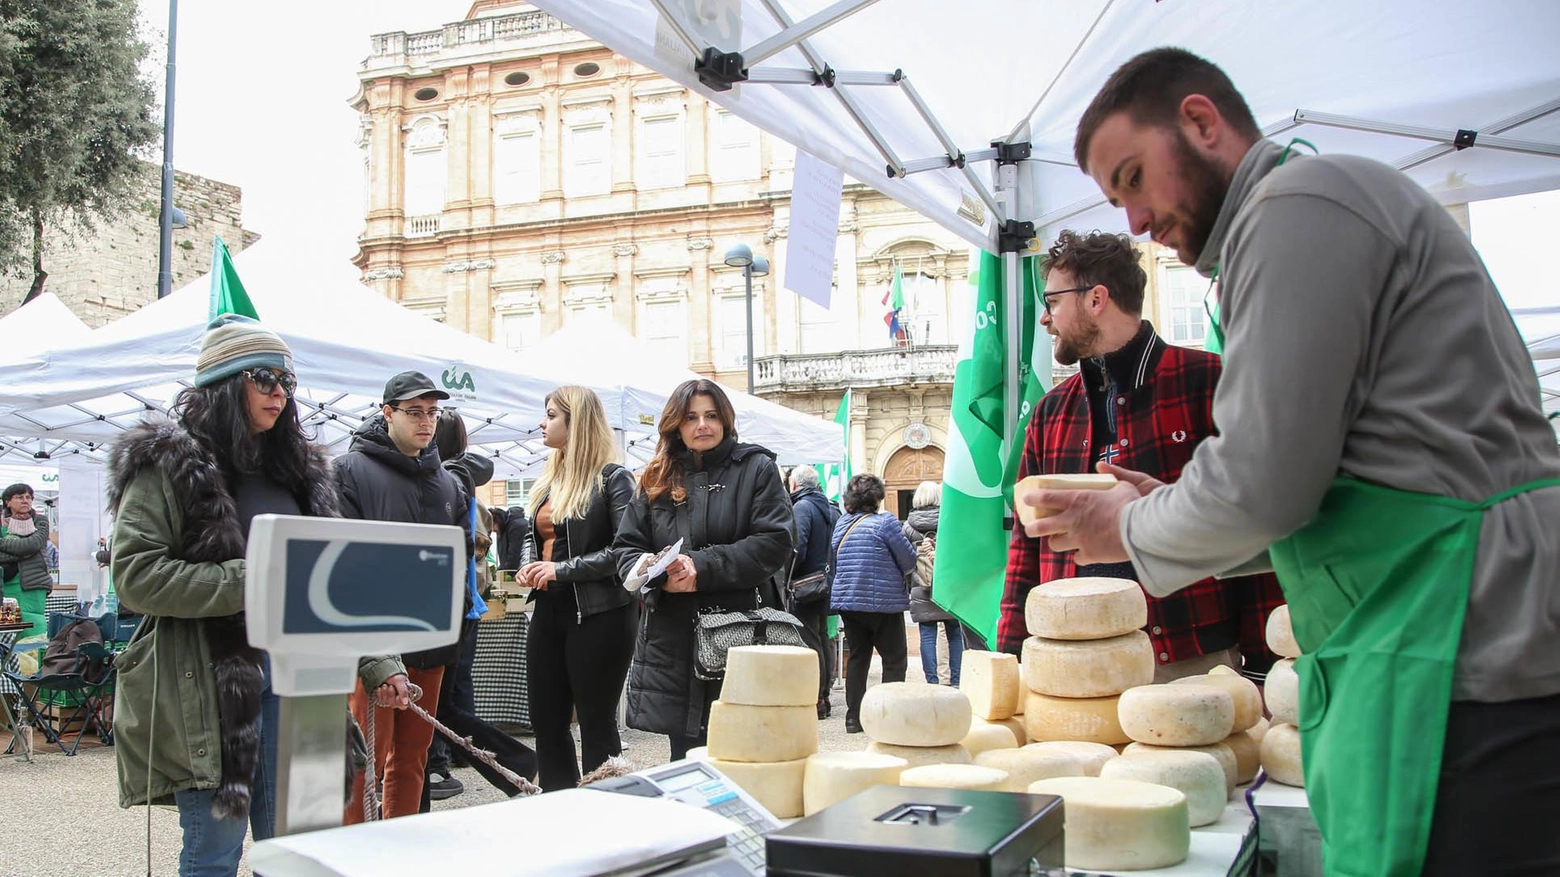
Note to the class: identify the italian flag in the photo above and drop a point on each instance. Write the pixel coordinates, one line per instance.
(978, 472)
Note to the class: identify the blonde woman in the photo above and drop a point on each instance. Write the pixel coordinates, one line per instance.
(582, 634)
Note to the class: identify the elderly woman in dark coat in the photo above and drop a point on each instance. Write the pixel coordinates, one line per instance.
(725, 501)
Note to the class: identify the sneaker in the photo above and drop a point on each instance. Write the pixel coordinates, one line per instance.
(442, 786)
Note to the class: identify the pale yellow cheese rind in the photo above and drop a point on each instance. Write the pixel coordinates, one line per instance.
(915, 756)
(1091, 756)
(831, 777)
(1120, 824)
(1220, 751)
(1092, 720)
(1281, 755)
(1281, 691)
(915, 714)
(1028, 514)
(776, 785)
(1085, 608)
(1177, 715)
(985, 735)
(771, 676)
(1197, 775)
(954, 776)
(1088, 668)
(1245, 693)
(740, 732)
(1281, 634)
(1248, 756)
(990, 681)
(1026, 766)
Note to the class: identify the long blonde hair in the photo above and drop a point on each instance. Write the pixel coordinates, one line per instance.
(573, 473)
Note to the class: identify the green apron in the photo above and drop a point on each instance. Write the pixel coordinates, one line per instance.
(1377, 585)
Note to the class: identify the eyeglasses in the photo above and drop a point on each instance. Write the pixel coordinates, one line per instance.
(420, 414)
(1045, 297)
(266, 379)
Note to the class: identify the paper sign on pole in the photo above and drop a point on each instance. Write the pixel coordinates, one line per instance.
(815, 228)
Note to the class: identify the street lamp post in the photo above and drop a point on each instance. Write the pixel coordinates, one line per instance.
(741, 256)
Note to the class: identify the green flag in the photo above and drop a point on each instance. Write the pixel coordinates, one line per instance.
(834, 475)
(978, 474)
(227, 291)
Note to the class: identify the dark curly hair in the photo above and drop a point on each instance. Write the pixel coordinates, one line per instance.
(1149, 89)
(864, 494)
(216, 415)
(1109, 260)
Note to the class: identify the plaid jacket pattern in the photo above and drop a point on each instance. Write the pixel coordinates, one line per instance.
(1160, 421)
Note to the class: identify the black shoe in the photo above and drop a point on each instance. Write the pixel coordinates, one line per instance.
(442, 786)
(852, 727)
(823, 708)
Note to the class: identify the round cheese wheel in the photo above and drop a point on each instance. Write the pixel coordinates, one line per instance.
(1093, 720)
(985, 735)
(1248, 756)
(1120, 824)
(1259, 730)
(1088, 668)
(954, 776)
(739, 732)
(1197, 775)
(776, 785)
(1084, 481)
(1221, 753)
(1282, 693)
(1025, 766)
(1281, 634)
(1015, 724)
(989, 680)
(831, 777)
(771, 676)
(1281, 755)
(1245, 693)
(915, 756)
(1177, 715)
(1085, 608)
(915, 714)
(1091, 756)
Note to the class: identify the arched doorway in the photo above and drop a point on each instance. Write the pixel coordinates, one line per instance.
(906, 469)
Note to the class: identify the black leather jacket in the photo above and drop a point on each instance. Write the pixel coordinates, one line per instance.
(582, 547)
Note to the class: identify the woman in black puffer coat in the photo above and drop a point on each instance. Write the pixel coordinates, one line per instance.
(920, 526)
(725, 501)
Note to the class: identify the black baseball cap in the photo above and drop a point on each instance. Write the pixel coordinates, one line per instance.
(411, 385)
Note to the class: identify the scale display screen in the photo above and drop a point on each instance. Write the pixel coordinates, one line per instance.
(685, 779)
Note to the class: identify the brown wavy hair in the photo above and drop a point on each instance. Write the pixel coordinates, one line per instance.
(664, 471)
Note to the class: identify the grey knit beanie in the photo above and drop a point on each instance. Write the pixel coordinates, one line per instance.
(234, 343)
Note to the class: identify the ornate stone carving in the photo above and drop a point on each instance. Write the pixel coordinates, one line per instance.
(552, 258)
(625, 248)
(458, 267)
(774, 233)
(392, 272)
(700, 243)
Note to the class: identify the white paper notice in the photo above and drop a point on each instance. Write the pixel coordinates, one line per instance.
(815, 228)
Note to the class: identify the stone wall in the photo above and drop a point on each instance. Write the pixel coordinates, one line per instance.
(108, 271)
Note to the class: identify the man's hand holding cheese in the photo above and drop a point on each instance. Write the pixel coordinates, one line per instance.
(1088, 522)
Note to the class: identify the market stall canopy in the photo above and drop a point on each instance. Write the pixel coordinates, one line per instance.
(1462, 96)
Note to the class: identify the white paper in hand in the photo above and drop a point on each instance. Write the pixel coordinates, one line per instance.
(667, 557)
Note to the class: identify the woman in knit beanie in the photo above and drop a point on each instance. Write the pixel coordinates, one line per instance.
(195, 721)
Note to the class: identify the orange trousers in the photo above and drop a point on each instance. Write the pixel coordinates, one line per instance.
(401, 741)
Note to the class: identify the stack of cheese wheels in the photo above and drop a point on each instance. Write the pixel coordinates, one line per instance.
(991, 681)
(1248, 712)
(920, 723)
(1182, 717)
(765, 724)
(1125, 825)
(1197, 775)
(1086, 648)
(1280, 746)
(832, 777)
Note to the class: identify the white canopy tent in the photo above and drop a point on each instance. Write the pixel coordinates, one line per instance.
(597, 352)
(76, 397)
(35, 327)
(909, 96)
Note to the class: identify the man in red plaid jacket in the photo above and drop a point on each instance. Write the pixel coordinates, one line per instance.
(1139, 403)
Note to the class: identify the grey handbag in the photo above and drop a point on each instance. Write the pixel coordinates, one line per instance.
(717, 631)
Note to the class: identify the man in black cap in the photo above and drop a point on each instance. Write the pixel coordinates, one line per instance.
(392, 473)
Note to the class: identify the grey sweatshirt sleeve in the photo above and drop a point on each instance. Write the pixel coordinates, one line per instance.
(1304, 281)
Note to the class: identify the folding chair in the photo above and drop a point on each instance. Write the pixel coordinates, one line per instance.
(85, 691)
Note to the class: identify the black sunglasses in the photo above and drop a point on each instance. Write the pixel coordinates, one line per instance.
(266, 379)
(1045, 297)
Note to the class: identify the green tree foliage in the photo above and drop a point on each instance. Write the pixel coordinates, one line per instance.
(75, 115)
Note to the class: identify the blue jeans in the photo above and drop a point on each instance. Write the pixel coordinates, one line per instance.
(929, 650)
(213, 847)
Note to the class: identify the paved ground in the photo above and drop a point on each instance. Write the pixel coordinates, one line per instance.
(59, 816)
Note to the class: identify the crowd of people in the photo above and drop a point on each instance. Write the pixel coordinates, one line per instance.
(1224, 480)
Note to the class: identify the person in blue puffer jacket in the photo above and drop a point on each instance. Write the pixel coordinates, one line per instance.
(872, 563)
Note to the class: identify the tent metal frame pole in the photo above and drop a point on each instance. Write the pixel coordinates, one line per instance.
(1431, 153)
(678, 26)
(804, 76)
(795, 33)
(1462, 139)
(955, 156)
